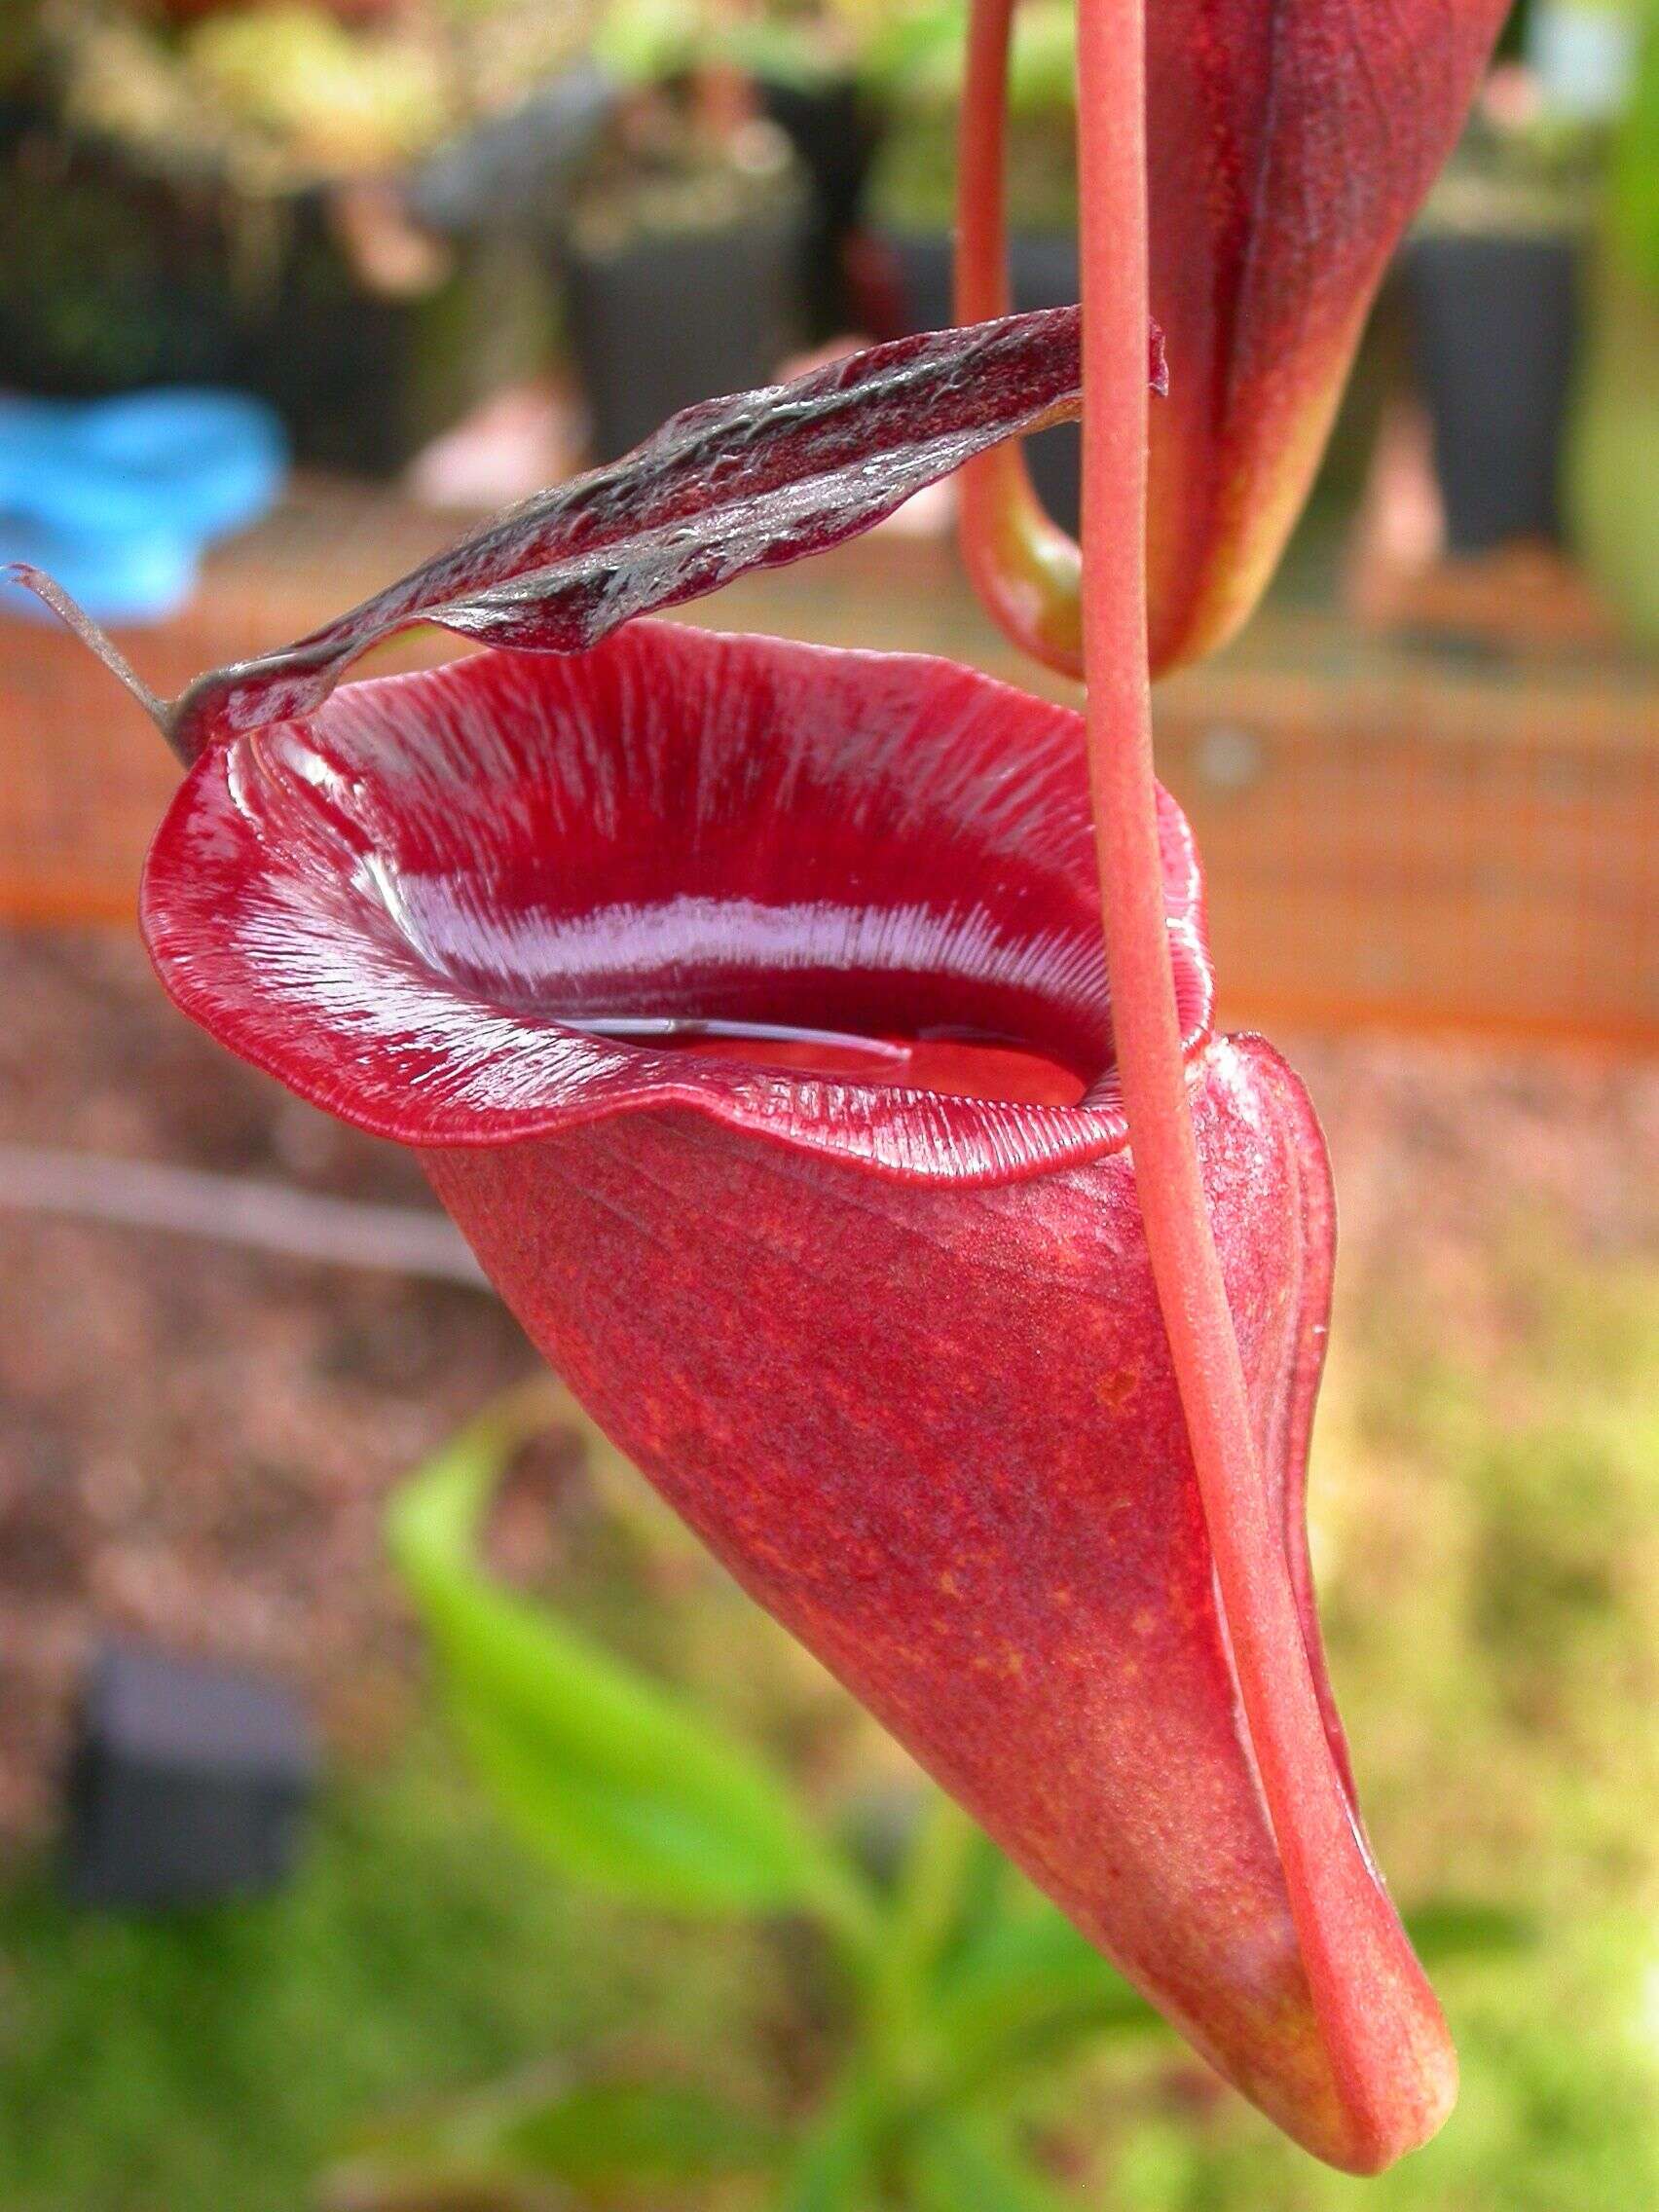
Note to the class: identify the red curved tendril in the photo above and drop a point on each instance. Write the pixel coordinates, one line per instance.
(1383, 2030)
(1026, 571)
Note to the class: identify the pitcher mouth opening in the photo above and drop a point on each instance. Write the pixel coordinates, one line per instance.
(843, 898)
(908, 996)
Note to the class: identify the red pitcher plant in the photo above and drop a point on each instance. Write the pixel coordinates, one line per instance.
(816, 1047)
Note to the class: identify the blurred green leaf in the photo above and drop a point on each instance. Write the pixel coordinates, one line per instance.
(617, 1779)
(1634, 181)
(989, 1891)
(835, 2165)
(955, 2167)
(948, 1894)
(1458, 1928)
(951, 1869)
(659, 2133)
(915, 57)
(1030, 1985)
(502, 2144)
(642, 42)
(1034, 1985)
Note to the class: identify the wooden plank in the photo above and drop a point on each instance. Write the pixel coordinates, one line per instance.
(1396, 836)
(83, 780)
(1392, 837)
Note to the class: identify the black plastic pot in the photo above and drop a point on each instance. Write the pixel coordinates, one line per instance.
(1495, 324)
(1043, 272)
(668, 321)
(364, 381)
(112, 278)
(188, 1783)
(109, 279)
(834, 133)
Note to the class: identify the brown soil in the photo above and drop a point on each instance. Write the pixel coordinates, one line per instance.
(195, 1440)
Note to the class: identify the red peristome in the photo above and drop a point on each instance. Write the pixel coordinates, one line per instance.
(390, 906)
(928, 1416)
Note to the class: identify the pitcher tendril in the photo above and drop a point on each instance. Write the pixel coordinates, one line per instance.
(1027, 570)
(1392, 2060)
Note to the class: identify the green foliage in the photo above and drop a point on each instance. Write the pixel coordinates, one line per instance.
(1556, 2112)
(1635, 164)
(966, 1986)
(1023, 1991)
(648, 2133)
(213, 2060)
(644, 41)
(961, 1973)
(1613, 458)
(19, 40)
(952, 2164)
(1493, 1601)
(837, 2162)
(595, 2139)
(1612, 470)
(621, 1784)
(916, 64)
(916, 57)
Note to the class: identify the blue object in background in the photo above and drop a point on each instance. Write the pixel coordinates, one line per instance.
(118, 499)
